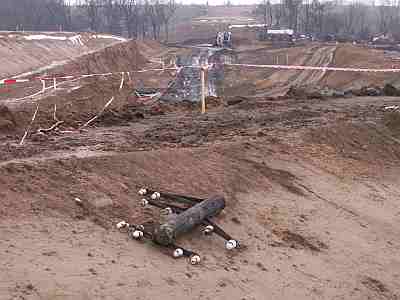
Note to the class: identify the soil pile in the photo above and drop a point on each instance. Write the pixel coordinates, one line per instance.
(313, 92)
(354, 56)
(81, 100)
(121, 57)
(390, 90)
(7, 120)
(375, 91)
(364, 142)
(317, 92)
(392, 121)
(19, 54)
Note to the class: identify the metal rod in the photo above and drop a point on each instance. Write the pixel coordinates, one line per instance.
(178, 198)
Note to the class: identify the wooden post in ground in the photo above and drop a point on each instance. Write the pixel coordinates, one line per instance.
(177, 225)
(203, 89)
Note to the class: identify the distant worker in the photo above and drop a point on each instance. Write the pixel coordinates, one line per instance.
(226, 37)
(216, 40)
(220, 39)
(223, 39)
(229, 40)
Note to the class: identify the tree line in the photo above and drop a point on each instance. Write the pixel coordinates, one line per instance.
(354, 19)
(132, 18)
(153, 18)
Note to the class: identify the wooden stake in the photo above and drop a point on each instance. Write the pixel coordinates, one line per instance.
(203, 89)
(29, 126)
(122, 81)
(98, 115)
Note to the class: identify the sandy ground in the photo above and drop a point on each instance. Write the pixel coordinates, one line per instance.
(311, 187)
(308, 233)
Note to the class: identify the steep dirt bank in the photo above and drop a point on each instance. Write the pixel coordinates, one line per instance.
(353, 56)
(24, 52)
(116, 58)
(78, 100)
(271, 82)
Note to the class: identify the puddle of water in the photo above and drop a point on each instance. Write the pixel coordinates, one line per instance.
(187, 86)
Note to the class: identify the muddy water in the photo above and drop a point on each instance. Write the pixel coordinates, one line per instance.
(187, 85)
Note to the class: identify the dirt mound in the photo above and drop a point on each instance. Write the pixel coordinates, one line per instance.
(363, 142)
(353, 56)
(7, 120)
(376, 91)
(369, 91)
(128, 113)
(150, 48)
(313, 92)
(77, 106)
(390, 90)
(121, 57)
(233, 100)
(317, 92)
(392, 121)
(79, 101)
(23, 52)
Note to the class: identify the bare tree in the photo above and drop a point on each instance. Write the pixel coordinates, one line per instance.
(279, 13)
(265, 10)
(130, 11)
(292, 13)
(112, 16)
(168, 13)
(92, 8)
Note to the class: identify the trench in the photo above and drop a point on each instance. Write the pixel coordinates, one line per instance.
(187, 85)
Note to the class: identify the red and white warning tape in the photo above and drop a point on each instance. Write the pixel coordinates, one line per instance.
(52, 78)
(280, 67)
(291, 67)
(12, 81)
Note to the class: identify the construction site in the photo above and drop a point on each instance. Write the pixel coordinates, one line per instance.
(302, 140)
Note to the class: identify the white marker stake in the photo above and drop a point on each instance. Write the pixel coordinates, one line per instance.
(122, 81)
(55, 83)
(30, 125)
(98, 115)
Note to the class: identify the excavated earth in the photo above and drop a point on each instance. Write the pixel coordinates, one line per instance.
(311, 187)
